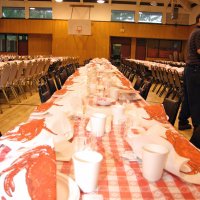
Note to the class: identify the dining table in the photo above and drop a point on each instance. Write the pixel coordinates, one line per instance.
(36, 156)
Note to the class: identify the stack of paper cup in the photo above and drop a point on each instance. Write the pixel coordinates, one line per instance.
(86, 169)
(153, 161)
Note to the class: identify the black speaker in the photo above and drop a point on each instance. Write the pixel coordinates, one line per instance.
(174, 13)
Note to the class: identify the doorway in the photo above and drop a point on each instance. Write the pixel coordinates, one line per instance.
(22, 45)
(120, 48)
(140, 49)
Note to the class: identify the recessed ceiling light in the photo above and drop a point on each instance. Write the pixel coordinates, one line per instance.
(59, 1)
(100, 1)
(153, 3)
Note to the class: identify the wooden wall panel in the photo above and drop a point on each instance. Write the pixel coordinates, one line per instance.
(26, 26)
(133, 47)
(95, 45)
(150, 31)
(39, 44)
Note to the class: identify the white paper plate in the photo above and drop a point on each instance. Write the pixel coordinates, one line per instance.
(105, 101)
(67, 189)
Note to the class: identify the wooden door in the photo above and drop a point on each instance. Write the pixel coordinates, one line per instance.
(125, 51)
(125, 47)
(22, 45)
(140, 53)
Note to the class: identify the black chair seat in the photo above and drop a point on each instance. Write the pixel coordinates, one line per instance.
(144, 89)
(58, 82)
(63, 76)
(44, 92)
(51, 85)
(138, 83)
(171, 107)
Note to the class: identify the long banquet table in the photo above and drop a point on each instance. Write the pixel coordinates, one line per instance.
(27, 153)
(149, 65)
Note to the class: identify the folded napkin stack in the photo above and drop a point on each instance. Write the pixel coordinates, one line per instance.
(59, 125)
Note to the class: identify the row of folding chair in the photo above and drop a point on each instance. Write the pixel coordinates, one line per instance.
(16, 76)
(143, 85)
(132, 69)
(171, 63)
(55, 79)
(167, 80)
(143, 76)
(127, 70)
(164, 79)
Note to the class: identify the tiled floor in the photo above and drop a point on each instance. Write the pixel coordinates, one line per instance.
(19, 112)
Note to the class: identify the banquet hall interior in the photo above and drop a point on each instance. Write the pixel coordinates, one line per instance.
(141, 29)
(46, 45)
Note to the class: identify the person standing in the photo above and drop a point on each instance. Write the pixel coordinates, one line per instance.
(184, 114)
(192, 83)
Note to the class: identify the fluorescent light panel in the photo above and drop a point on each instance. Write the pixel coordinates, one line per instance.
(100, 1)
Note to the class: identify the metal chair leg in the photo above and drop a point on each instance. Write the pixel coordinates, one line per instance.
(163, 90)
(4, 92)
(155, 86)
(159, 88)
(22, 91)
(15, 94)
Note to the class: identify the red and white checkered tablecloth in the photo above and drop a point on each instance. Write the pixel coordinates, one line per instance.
(121, 179)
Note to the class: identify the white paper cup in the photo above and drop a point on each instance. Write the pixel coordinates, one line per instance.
(98, 122)
(86, 169)
(118, 114)
(153, 161)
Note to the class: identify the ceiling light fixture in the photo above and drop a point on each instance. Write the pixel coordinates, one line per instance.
(59, 1)
(100, 1)
(153, 3)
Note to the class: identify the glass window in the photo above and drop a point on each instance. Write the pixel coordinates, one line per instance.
(40, 13)
(22, 37)
(13, 12)
(150, 17)
(2, 42)
(11, 43)
(122, 15)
